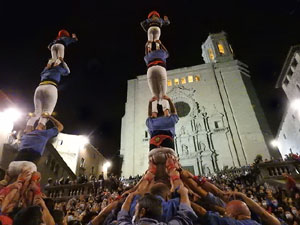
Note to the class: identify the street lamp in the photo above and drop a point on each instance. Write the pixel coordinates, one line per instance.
(7, 119)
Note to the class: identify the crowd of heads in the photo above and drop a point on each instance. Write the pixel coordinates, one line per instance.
(23, 202)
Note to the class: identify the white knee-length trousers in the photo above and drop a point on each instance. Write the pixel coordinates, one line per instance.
(157, 81)
(45, 98)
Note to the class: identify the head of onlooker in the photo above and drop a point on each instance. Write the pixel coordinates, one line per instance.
(49, 204)
(238, 210)
(58, 217)
(148, 207)
(29, 216)
(74, 222)
(88, 217)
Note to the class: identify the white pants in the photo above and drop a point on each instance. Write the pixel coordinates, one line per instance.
(45, 98)
(57, 50)
(153, 35)
(157, 82)
(16, 167)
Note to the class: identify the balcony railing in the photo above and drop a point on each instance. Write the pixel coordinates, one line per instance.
(274, 170)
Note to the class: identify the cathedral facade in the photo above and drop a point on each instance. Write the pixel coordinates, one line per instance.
(221, 122)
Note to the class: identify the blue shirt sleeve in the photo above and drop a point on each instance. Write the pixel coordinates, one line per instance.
(133, 204)
(148, 123)
(211, 199)
(124, 218)
(175, 118)
(52, 132)
(68, 40)
(185, 215)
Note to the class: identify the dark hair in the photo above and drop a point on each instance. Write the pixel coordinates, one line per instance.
(88, 217)
(160, 111)
(152, 205)
(74, 222)
(58, 216)
(28, 216)
(160, 189)
(49, 202)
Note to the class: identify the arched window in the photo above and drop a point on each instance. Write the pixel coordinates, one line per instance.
(211, 54)
(176, 81)
(169, 83)
(197, 78)
(183, 80)
(221, 48)
(190, 79)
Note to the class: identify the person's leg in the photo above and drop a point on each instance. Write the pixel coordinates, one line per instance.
(156, 36)
(49, 101)
(37, 108)
(153, 86)
(57, 51)
(54, 52)
(150, 39)
(166, 107)
(163, 85)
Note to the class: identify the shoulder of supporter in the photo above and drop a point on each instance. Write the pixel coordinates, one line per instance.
(175, 117)
(215, 218)
(124, 218)
(185, 215)
(52, 132)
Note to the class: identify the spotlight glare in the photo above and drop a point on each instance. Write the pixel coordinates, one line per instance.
(84, 140)
(12, 114)
(296, 104)
(274, 143)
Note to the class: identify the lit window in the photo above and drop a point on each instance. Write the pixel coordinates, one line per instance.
(197, 78)
(211, 54)
(190, 79)
(183, 80)
(169, 83)
(221, 49)
(176, 81)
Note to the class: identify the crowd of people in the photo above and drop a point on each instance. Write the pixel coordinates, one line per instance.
(186, 199)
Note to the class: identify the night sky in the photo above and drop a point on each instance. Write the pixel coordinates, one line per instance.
(111, 49)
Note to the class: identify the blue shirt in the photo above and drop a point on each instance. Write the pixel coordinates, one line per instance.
(166, 123)
(37, 139)
(212, 218)
(184, 216)
(157, 54)
(170, 207)
(154, 22)
(63, 40)
(55, 73)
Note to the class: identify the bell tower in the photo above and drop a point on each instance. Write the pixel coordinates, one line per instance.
(217, 49)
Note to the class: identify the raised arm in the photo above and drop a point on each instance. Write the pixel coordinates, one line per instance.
(55, 122)
(172, 106)
(150, 106)
(64, 65)
(144, 24)
(99, 219)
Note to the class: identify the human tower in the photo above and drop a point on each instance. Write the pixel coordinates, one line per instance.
(21, 185)
(22, 181)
